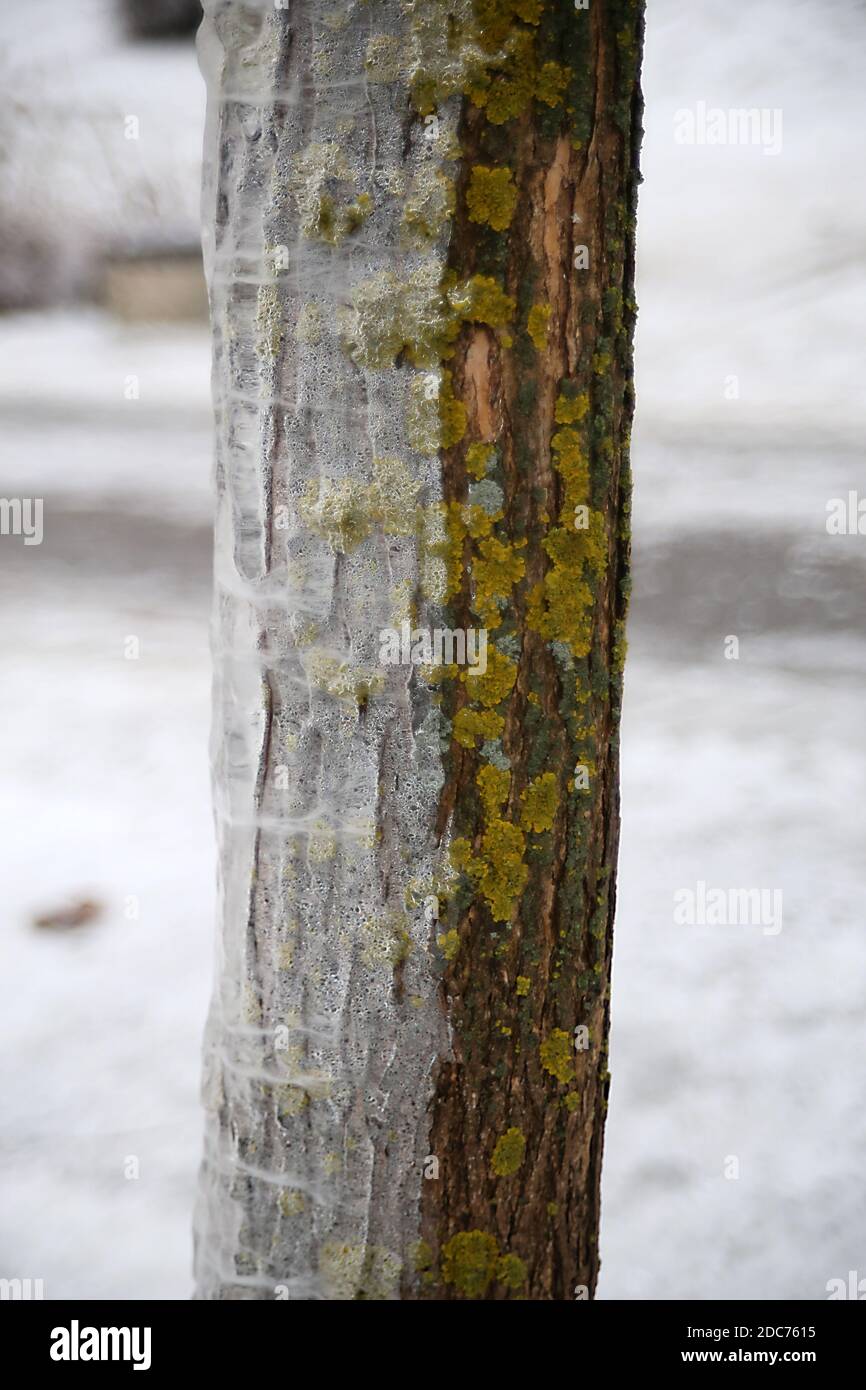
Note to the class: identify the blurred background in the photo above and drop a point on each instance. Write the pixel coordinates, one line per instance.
(727, 1044)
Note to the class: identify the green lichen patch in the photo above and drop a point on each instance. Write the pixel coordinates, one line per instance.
(560, 607)
(509, 1153)
(491, 688)
(571, 409)
(503, 874)
(478, 459)
(481, 299)
(538, 325)
(471, 725)
(384, 59)
(397, 316)
(511, 1271)
(493, 786)
(358, 1272)
(429, 205)
(345, 512)
(540, 801)
(449, 943)
(496, 568)
(385, 941)
(469, 1262)
(491, 196)
(269, 323)
(556, 1056)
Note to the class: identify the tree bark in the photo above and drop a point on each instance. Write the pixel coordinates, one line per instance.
(419, 238)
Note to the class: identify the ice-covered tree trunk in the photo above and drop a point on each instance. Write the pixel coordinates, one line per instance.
(419, 221)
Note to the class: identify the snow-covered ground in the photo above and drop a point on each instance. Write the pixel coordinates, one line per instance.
(728, 1043)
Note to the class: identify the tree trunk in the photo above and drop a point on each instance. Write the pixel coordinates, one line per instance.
(419, 237)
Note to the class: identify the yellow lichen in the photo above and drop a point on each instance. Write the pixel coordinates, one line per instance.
(383, 61)
(496, 17)
(392, 497)
(497, 870)
(540, 800)
(470, 724)
(345, 512)
(429, 205)
(269, 322)
(496, 683)
(522, 985)
(356, 214)
(359, 1272)
(495, 570)
(394, 316)
(571, 463)
(469, 1262)
(509, 1153)
(481, 300)
(511, 1271)
(485, 49)
(530, 11)
(538, 323)
(309, 327)
(560, 608)
(478, 457)
(292, 1101)
(419, 316)
(570, 410)
(550, 83)
(556, 1056)
(422, 1256)
(452, 414)
(337, 510)
(386, 941)
(449, 943)
(505, 87)
(493, 784)
(478, 521)
(461, 855)
(459, 523)
(435, 418)
(491, 196)
(291, 1202)
(504, 874)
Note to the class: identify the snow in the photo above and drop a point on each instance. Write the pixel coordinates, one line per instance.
(726, 1042)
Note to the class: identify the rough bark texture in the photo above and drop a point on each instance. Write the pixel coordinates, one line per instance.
(577, 187)
(423, 396)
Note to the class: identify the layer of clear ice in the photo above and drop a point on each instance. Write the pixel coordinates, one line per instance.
(325, 1022)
